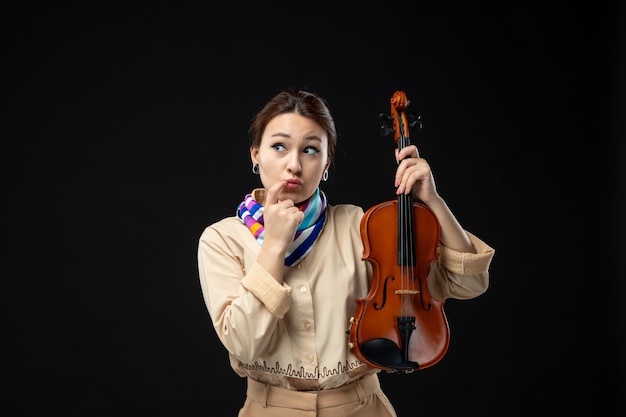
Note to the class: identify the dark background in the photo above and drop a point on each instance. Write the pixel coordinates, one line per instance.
(126, 134)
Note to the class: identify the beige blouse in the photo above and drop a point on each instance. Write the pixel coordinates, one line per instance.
(294, 335)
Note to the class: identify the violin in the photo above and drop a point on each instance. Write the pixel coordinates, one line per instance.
(398, 326)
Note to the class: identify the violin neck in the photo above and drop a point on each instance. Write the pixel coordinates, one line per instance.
(406, 231)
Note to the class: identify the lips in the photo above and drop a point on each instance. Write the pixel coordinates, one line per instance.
(294, 183)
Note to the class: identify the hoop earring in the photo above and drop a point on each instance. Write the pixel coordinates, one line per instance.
(325, 175)
(255, 169)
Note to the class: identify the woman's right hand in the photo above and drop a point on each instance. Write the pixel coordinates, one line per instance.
(281, 219)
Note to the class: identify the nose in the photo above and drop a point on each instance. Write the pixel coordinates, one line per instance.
(293, 164)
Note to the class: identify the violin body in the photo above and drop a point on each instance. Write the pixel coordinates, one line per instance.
(398, 326)
(389, 298)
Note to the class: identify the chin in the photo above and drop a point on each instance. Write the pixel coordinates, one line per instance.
(296, 195)
(292, 194)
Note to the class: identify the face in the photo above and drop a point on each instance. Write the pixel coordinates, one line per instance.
(293, 150)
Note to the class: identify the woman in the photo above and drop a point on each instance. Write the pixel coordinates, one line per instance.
(280, 278)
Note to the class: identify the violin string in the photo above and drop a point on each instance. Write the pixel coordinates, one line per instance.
(406, 235)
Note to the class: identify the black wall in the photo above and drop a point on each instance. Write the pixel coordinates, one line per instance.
(126, 134)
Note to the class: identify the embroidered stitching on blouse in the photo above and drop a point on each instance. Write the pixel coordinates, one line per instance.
(301, 373)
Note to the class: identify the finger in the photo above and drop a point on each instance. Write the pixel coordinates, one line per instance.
(407, 152)
(408, 182)
(409, 173)
(271, 197)
(401, 170)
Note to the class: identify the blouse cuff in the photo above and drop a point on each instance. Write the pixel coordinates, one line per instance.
(275, 297)
(467, 263)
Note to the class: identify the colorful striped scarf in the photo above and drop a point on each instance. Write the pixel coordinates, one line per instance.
(251, 214)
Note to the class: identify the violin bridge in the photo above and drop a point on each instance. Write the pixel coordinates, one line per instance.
(410, 292)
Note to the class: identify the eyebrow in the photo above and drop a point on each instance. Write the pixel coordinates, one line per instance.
(285, 135)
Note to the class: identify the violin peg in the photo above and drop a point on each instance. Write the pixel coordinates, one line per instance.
(415, 120)
(385, 119)
(386, 130)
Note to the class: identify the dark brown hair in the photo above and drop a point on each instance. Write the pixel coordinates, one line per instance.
(302, 102)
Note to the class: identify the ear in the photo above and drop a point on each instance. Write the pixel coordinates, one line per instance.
(254, 152)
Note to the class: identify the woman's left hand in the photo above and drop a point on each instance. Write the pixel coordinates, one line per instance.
(414, 175)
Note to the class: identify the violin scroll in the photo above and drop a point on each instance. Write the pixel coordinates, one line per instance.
(399, 121)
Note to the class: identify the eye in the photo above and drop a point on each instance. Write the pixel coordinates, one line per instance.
(279, 147)
(311, 150)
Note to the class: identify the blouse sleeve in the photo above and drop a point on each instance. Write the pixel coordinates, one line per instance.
(461, 275)
(245, 307)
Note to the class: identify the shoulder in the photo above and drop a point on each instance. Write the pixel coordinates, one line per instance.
(345, 210)
(343, 215)
(228, 227)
